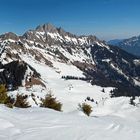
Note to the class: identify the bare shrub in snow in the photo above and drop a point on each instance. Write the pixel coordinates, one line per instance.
(21, 101)
(51, 102)
(4, 98)
(3, 94)
(87, 109)
(10, 105)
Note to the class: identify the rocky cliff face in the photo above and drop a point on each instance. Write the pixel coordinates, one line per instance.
(101, 64)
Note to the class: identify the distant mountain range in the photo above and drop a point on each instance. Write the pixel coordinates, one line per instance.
(101, 64)
(115, 41)
(131, 45)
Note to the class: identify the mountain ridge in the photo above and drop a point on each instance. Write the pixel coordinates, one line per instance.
(131, 45)
(101, 64)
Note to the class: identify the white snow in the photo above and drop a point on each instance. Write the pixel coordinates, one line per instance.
(40, 33)
(137, 82)
(11, 40)
(67, 69)
(83, 40)
(55, 36)
(112, 121)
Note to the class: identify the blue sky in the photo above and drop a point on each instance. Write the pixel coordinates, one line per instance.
(107, 19)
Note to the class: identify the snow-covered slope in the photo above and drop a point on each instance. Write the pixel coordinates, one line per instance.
(114, 120)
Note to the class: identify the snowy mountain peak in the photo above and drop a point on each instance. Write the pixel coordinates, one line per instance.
(52, 35)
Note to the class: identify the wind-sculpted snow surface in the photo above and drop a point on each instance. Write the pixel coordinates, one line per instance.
(42, 124)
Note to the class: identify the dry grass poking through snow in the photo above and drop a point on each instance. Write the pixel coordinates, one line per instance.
(51, 102)
(21, 101)
(87, 109)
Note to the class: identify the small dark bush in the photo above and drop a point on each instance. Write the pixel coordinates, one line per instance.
(88, 98)
(51, 102)
(4, 98)
(21, 101)
(3, 94)
(103, 90)
(132, 101)
(87, 109)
